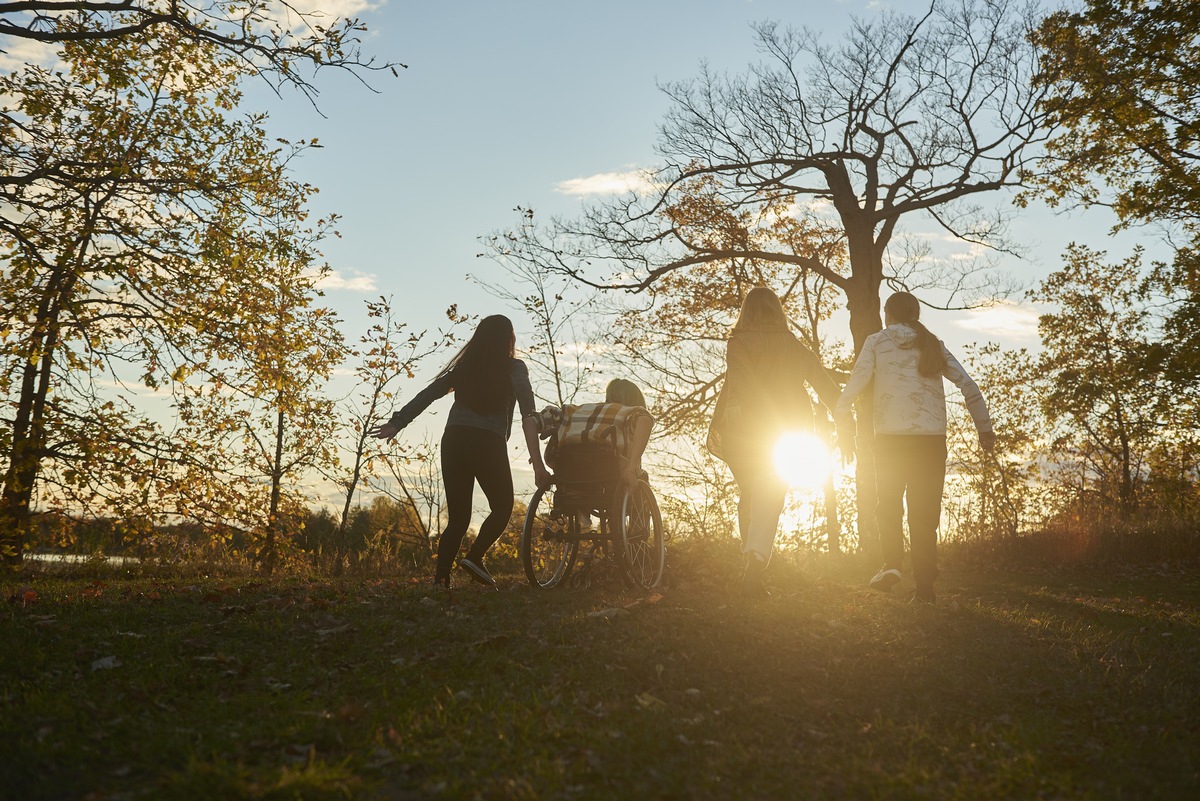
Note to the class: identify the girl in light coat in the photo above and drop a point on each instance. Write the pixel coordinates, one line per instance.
(905, 364)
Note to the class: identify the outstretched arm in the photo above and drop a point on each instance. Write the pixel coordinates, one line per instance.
(974, 400)
(638, 440)
(420, 402)
(541, 476)
(818, 378)
(843, 409)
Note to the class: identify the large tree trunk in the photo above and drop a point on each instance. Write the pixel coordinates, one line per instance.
(862, 301)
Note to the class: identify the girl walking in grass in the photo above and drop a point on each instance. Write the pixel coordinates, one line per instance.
(905, 365)
(488, 382)
(763, 398)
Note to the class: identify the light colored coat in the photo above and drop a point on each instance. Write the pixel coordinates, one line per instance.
(907, 402)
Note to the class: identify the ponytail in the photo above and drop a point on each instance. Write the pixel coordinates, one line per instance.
(933, 359)
(904, 308)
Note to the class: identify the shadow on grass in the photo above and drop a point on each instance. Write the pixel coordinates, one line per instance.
(379, 689)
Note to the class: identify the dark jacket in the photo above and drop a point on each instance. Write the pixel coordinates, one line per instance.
(764, 394)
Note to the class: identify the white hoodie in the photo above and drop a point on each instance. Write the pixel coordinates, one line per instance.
(907, 402)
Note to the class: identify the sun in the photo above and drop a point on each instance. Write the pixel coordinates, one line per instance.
(802, 460)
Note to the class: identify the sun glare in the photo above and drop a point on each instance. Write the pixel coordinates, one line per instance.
(802, 460)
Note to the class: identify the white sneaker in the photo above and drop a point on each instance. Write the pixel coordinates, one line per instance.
(885, 579)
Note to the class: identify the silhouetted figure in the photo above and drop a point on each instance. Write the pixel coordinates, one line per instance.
(488, 382)
(762, 399)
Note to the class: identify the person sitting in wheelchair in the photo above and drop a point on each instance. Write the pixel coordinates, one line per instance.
(619, 424)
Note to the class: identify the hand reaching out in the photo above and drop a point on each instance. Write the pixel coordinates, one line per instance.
(845, 446)
(384, 431)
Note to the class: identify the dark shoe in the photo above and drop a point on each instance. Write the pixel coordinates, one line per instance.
(442, 582)
(754, 583)
(924, 595)
(477, 571)
(885, 579)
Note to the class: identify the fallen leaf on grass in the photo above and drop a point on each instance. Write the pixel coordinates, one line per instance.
(350, 711)
(23, 596)
(379, 758)
(608, 614)
(300, 754)
(648, 701)
(493, 639)
(106, 663)
(649, 599)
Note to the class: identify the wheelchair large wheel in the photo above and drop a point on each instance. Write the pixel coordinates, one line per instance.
(639, 531)
(548, 547)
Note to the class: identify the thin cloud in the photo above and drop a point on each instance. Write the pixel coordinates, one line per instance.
(359, 282)
(1007, 320)
(319, 11)
(606, 183)
(19, 52)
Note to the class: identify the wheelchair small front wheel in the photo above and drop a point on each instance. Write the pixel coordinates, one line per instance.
(548, 545)
(639, 530)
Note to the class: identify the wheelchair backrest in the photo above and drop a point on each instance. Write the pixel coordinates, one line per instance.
(587, 473)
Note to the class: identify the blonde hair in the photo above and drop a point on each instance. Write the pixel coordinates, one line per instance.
(624, 392)
(761, 311)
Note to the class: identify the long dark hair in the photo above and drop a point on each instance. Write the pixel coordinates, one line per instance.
(903, 307)
(482, 370)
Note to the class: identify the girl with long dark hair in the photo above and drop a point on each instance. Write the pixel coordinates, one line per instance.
(488, 382)
(763, 398)
(905, 364)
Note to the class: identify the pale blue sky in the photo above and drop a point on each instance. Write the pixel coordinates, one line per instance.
(506, 100)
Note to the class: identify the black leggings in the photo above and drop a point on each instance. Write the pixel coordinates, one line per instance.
(470, 455)
(910, 470)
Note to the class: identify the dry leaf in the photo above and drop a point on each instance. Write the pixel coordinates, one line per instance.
(106, 663)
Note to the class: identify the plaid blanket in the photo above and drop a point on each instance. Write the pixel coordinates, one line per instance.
(610, 423)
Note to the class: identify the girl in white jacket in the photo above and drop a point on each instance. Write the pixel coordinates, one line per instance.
(907, 364)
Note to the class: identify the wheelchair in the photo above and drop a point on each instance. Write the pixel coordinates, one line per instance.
(628, 522)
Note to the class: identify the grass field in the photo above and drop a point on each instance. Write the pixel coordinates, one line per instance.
(1017, 685)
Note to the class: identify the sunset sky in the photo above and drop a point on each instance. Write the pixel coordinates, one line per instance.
(546, 104)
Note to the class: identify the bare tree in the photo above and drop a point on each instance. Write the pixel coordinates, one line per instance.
(904, 118)
(560, 347)
(389, 351)
(413, 482)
